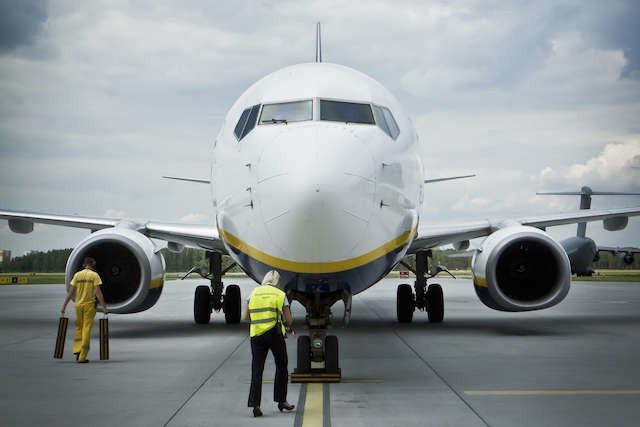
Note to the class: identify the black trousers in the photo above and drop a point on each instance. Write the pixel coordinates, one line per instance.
(271, 340)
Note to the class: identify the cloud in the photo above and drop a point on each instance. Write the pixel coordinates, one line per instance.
(613, 170)
(136, 90)
(115, 213)
(21, 22)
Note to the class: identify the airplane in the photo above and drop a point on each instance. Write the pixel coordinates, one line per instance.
(582, 250)
(316, 172)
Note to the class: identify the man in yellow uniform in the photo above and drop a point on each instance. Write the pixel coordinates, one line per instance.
(267, 305)
(86, 285)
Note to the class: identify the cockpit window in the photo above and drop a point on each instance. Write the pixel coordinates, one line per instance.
(246, 122)
(385, 121)
(335, 111)
(286, 112)
(348, 112)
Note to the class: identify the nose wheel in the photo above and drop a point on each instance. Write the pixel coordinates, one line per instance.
(318, 358)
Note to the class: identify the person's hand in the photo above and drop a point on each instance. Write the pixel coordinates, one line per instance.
(105, 311)
(62, 311)
(290, 330)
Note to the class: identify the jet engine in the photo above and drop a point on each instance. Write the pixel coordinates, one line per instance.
(626, 257)
(129, 264)
(520, 268)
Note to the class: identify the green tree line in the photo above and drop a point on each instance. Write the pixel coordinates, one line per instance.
(55, 261)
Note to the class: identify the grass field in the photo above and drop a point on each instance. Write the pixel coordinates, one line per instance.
(58, 278)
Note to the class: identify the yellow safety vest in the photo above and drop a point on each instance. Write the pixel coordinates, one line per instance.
(265, 309)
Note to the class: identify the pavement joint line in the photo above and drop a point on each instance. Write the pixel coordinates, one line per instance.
(326, 397)
(428, 365)
(302, 398)
(513, 393)
(23, 341)
(215, 371)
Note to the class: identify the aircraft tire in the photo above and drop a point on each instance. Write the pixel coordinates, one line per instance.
(232, 304)
(331, 354)
(405, 306)
(202, 305)
(435, 303)
(304, 354)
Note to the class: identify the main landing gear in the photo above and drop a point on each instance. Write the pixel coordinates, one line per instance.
(318, 353)
(427, 297)
(209, 298)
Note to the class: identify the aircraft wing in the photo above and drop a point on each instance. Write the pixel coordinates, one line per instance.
(430, 236)
(200, 236)
(617, 250)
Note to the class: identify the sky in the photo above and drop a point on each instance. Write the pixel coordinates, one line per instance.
(99, 99)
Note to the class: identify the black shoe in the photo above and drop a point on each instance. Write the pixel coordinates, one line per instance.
(285, 405)
(83, 361)
(77, 355)
(257, 412)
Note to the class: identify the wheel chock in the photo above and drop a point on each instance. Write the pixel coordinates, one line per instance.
(316, 377)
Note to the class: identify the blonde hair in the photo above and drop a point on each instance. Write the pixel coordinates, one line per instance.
(271, 278)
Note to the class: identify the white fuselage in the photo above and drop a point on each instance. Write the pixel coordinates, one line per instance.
(323, 187)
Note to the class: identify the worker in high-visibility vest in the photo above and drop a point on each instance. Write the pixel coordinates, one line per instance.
(270, 316)
(86, 286)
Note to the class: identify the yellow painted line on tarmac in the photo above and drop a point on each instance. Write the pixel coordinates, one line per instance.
(314, 406)
(342, 381)
(507, 393)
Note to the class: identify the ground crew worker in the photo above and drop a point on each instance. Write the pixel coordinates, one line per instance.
(86, 285)
(266, 308)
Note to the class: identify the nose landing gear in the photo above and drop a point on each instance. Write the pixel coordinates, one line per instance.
(318, 353)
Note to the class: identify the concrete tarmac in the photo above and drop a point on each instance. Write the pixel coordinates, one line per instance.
(574, 364)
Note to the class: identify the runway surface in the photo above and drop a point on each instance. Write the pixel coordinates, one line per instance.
(574, 364)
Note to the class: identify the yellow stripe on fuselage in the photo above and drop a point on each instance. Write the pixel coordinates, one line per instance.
(316, 267)
(480, 281)
(156, 283)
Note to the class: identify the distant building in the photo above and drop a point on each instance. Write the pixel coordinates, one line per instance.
(5, 256)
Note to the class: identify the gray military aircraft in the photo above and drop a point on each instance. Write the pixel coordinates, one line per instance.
(582, 250)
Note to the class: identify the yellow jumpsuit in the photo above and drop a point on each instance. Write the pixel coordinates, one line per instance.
(85, 282)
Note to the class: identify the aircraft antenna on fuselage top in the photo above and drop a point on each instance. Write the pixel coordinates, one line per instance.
(318, 44)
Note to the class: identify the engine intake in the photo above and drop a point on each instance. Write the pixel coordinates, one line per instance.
(131, 268)
(521, 268)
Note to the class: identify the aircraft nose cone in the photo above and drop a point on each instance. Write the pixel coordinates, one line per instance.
(315, 192)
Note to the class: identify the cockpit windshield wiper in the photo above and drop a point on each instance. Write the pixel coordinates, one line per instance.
(276, 121)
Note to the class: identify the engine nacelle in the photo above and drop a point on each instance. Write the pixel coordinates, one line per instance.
(130, 266)
(521, 268)
(626, 257)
